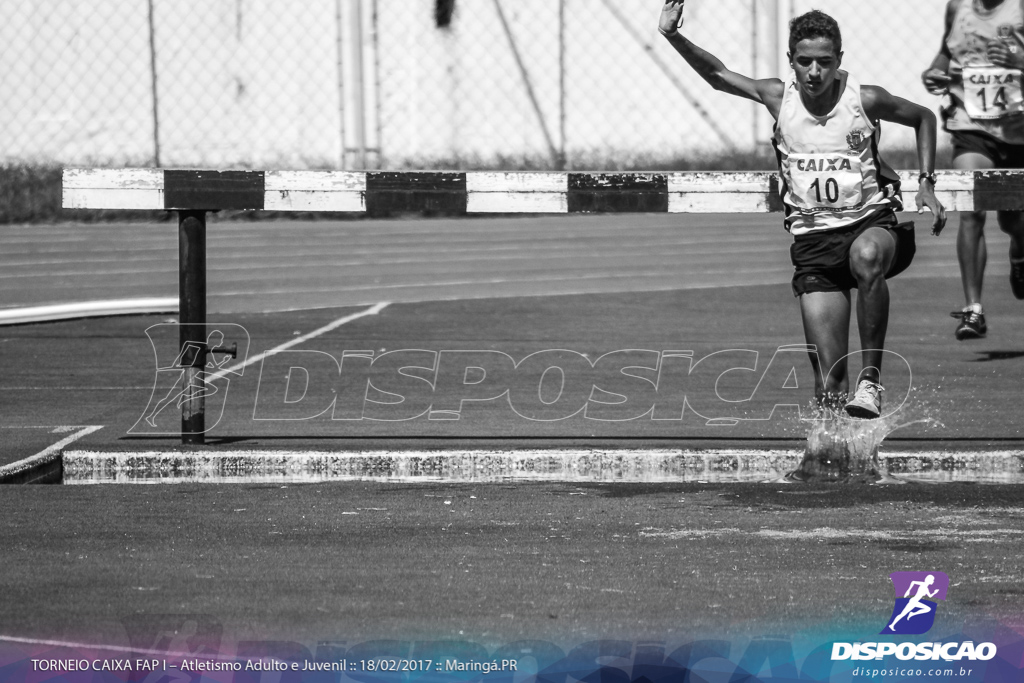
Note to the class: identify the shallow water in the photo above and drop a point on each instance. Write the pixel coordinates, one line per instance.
(837, 449)
(840, 448)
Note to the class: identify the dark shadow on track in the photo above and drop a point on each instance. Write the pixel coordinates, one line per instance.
(997, 355)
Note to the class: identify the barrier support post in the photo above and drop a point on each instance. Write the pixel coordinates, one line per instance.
(192, 319)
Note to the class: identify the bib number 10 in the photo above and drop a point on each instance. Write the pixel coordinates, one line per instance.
(831, 190)
(825, 182)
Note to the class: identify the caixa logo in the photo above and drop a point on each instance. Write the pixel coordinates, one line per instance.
(917, 596)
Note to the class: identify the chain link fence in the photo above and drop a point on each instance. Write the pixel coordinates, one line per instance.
(411, 83)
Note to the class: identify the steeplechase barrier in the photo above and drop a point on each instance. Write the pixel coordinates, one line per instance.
(195, 193)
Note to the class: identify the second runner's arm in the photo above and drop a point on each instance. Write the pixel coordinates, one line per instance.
(880, 105)
(936, 77)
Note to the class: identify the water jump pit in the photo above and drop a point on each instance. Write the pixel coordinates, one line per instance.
(560, 465)
(836, 450)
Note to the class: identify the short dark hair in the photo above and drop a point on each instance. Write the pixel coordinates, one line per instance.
(814, 24)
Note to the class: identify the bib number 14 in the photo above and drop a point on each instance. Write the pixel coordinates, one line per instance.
(992, 92)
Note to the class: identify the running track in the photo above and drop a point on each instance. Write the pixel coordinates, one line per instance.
(588, 283)
(334, 562)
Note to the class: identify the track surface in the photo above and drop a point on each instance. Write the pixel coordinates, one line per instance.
(275, 266)
(561, 561)
(592, 285)
(496, 563)
(106, 376)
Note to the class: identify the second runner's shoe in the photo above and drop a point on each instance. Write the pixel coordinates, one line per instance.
(972, 325)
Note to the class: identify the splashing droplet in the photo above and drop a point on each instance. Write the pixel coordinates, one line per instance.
(841, 448)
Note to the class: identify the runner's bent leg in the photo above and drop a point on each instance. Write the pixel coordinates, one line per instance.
(871, 255)
(826, 317)
(972, 254)
(970, 240)
(1012, 223)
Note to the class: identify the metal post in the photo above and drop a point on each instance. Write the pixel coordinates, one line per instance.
(560, 165)
(192, 320)
(153, 82)
(376, 87)
(358, 92)
(527, 84)
(755, 70)
(783, 15)
(339, 47)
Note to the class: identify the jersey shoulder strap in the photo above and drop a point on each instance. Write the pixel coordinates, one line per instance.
(955, 5)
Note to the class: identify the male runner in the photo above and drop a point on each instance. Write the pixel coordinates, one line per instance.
(979, 68)
(840, 197)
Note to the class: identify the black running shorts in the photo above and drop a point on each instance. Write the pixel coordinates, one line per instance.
(1002, 154)
(822, 259)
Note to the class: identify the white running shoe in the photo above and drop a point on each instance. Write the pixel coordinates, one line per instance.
(867, 402)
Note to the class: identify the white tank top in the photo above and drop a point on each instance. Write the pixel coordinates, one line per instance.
(831, 173)
(986, 98)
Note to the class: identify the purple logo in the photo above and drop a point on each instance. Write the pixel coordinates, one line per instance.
(916, 596)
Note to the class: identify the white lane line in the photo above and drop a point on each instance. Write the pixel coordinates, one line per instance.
(35, 314)
(964, 535)
(62, 428)
(46, 454)
(372, 310)
(72, 388)
(102, 648)
(481, 254)
(527, 279)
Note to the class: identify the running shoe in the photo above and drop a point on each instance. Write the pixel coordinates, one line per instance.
(972, 325)
(1017, 277)
(867, 401)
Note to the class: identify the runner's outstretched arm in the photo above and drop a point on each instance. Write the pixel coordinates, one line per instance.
(766, 91)
(936, 77)
(880, 105)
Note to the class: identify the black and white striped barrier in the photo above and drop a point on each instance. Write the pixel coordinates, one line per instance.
(455, 193)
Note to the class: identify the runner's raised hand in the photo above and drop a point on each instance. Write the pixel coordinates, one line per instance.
(671, 17)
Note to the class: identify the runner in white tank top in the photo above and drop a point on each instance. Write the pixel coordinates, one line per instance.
(840, 202)
(978, 70)
(832, 175)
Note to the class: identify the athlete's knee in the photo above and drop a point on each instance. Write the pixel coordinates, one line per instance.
(867, 259)
(972, 220)
(1011, 222)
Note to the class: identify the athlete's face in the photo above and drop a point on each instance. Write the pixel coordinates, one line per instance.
(816, 64)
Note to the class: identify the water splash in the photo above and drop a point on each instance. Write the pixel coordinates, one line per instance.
(844, 449)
